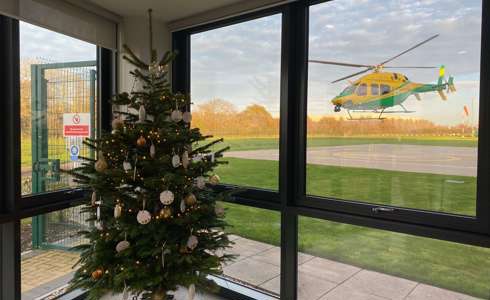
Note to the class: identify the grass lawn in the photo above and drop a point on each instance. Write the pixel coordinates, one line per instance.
(413, 190)
(449, 265)
(240, 144)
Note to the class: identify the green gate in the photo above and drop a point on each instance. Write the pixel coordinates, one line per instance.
(58, 89)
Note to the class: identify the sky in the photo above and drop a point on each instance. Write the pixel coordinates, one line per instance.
(45, 45)
(241, 63)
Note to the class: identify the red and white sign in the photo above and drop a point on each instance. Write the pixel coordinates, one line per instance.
(76, 125)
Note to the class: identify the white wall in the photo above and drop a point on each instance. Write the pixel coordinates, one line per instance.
(134, 33)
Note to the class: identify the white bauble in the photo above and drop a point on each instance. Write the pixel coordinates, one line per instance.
(175, 160)
(117, 211)
(127, 166)
(192, 242)
(153, 151)
(200, 182)
(167, 197)
(142, 113)
(185, 159)
(176, 116)
(182, 206)
(122, 245)
(143, 217)
(98, 225)
(187, 117)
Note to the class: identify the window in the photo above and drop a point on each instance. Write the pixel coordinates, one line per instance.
(58, 106)
(385, 89)
(387, 161)
(341, 261)
(235, 80)
(256, 236)
(395, 150)
(362, 90)
(45, 75)
(46, 259)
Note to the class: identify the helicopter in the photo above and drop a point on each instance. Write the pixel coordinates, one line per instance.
(378, 91)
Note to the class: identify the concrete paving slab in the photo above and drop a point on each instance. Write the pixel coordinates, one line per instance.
(252, 271)
(309, 287)
(346, 293)
(443, 160)
(273, 256)
(244, 248)
(427, 292)
(328, 270)
(380, 285)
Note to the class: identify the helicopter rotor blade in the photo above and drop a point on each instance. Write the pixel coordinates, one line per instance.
(352, 75)
(409, 49)
(407, 67)
(326, 62)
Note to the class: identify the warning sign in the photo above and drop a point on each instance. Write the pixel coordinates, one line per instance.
(76, 125)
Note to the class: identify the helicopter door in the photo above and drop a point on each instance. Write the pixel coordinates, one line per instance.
(362, 90)
(374, 89)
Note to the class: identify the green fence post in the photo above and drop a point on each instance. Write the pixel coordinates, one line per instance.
(39, 144)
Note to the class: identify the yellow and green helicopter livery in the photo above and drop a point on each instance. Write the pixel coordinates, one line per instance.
(380, 90)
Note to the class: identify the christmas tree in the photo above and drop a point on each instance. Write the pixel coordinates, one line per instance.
(157, 224)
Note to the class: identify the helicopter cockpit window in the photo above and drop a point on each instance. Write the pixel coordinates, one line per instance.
(362, 90)
(374, 89)
(350, 89)
(385, 89)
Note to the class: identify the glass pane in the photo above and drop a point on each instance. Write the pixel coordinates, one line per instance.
(235, 81)
(46, 260)
(58, 94)
(341, 261)
(404, 132)
(256, 234)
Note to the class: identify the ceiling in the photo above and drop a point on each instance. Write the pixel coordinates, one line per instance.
(163, 10)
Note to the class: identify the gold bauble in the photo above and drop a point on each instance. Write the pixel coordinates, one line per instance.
(190, 199)
(165, 212)
(117, 123)
(97, 274)
(158, 295)
(101, 164)
(214, 179)
(141, 141)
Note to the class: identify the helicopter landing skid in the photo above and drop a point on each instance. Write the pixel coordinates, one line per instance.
(383, 111)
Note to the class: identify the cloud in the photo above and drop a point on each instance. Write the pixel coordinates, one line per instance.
(46, 45)
(227, 61)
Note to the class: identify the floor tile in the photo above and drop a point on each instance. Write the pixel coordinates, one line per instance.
(346, 293)
(309, 287)
(252, 271)
(378, 284)
(273, 256)
(328, 269)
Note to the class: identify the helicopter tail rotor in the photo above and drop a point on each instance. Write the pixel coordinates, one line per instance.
(450, 85)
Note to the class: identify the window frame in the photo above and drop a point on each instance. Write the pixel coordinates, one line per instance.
(13, 206)
(291, 199)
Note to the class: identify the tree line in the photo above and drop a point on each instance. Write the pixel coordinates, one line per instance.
(221, 118)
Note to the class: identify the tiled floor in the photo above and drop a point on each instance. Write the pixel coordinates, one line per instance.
(323, 279)
(45, 271)
(258, 264)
